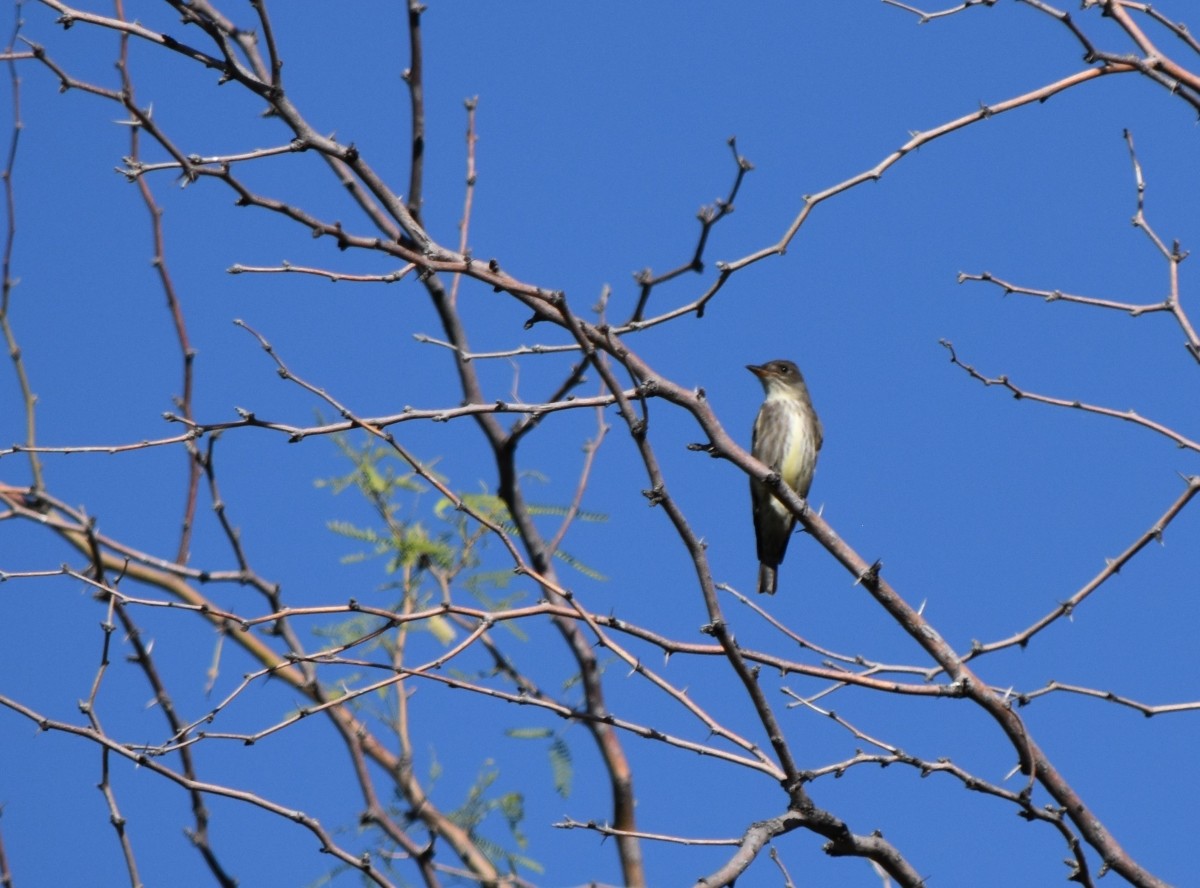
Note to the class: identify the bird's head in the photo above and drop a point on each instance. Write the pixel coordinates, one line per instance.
(776, 375)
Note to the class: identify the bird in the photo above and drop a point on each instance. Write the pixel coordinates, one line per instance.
(787, 437)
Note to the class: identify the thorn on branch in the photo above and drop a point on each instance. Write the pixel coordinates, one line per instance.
(870, 576)
(656, 495)
(743, 164)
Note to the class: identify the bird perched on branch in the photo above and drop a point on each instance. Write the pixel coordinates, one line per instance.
(787, 436)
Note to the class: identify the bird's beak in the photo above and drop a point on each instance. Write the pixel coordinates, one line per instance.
(760, 372)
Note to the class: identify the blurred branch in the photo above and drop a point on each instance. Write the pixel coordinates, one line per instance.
(414, 76)
(183, 402)
(417, 466)
(1111, 568)
(895, 755)
(530, 421)
(270, 591)
(114, 814)
(509, 488)
(88, 708)
(708, 216)
(342, 158)
(135, 169)
(590, 449)
(8, 282)
(430, 257)
(606, 830)
(1127, 415)
(517, 352)
(1173, 255)
(1131, 308)
(114, 748)
(919, 139)
(68, 17)
(464, 224)
(926, 17)
(1145, 709)
(474, 616)
(831, 656)
(6, 877)
(297, 433)
(170, 578)
(1178, 29)
(1156, 64)
(264, 21)
(199, 835)
(842, 843)
(334, 276)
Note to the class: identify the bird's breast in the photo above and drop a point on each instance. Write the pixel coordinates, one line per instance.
(799, 451)
(786, 439)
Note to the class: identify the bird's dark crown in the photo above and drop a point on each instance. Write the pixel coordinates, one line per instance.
(779, 369)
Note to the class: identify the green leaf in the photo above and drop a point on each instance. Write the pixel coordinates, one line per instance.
(589, 572)
(561, 767)
(529, 733)
(441, 629)
(512, 806)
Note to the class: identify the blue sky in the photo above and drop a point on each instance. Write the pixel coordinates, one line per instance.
(601, 132)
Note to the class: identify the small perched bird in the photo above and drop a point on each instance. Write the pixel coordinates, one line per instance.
(787, 436)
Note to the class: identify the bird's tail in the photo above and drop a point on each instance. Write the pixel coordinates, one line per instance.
(766, 579)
